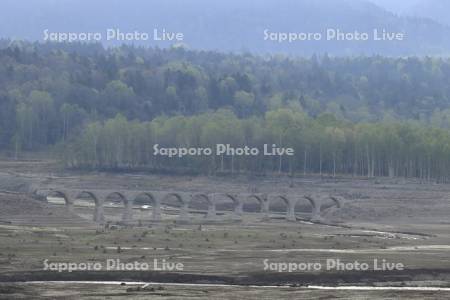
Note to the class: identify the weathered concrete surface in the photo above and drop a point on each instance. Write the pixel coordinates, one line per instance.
(157, 197)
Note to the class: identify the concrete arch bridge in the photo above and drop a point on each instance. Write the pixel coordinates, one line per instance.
(319, 204)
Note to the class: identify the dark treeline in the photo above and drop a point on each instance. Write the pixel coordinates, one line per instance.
(323, 145)
(60, 93)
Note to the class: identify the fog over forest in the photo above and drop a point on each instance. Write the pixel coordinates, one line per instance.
(239, 26)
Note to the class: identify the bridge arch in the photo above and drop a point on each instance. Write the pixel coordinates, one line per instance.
(174, 204)
(337, 201)
(125, 205)
(201, 196)
(196, 198)
(305, 206)
(114, 195)
(226, 202)
(148, 201)
(287, 205)
(144, 198)
(88, 194)
(253, 203)
(61, 195)
(274, 203)
(99, 215)
(172, 195)
(201, 203)
(328, 204)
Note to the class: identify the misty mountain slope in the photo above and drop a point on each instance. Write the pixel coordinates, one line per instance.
(401, 7)
(438, 10)
(231, 25)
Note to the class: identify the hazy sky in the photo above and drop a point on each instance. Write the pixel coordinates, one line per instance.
(236, 25)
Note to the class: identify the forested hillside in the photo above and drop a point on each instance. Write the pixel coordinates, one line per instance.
(64, 94)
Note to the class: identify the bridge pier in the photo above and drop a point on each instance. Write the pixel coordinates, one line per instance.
(99, 212)
(315, 214)
(239, 208)
(211, 214)
(184, 211)
(265, 209)
(156, 210)
(127, 215)
(69, 205)
(290, 214)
